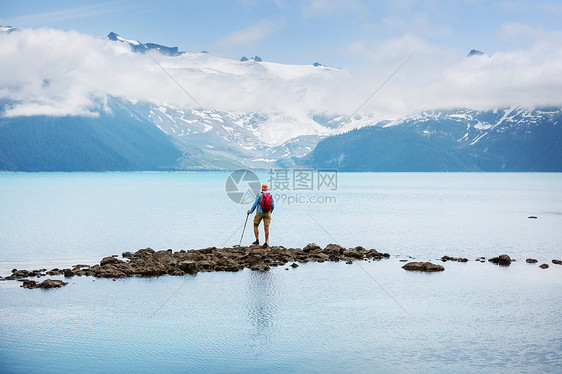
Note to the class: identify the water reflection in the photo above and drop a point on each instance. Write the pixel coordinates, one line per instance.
(261, 307)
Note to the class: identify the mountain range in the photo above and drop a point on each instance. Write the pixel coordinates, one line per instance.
(125, 133)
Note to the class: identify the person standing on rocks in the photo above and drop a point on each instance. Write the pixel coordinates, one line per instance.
(264, 203)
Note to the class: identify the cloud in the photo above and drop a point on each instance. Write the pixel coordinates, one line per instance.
(518, 32)
(70, 73)
(252, 34)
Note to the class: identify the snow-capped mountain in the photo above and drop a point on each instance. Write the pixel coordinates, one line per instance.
(512, 139)
(137, 46)
(132, 105)
(252, 139)
(7, 29)
(256, 140)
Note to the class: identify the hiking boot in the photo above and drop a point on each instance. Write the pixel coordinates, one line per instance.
(265, 245)
(257, 242)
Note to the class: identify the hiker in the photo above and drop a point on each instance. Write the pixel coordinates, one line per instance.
(265, 205)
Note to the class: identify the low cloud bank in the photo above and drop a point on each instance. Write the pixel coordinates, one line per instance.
(56, 73)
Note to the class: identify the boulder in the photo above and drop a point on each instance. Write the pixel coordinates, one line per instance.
(294, 265)
(422, 266)
(55, 271)
(503, 260)
(164, 257)
(557, 262)
(531, 260)
(109, 260)
(189, 267)
(353, 253)
(448, 258)
(311, 247)
(46, 284)
(68, 273)
(334, 249)
(144, 252)
(544, 266)
(374, 254)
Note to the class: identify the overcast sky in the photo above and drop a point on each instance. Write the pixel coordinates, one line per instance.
(60, 61)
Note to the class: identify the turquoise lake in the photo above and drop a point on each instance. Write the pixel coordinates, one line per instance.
(320, 317)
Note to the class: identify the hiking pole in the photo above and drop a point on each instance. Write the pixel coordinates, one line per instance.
(244, 229)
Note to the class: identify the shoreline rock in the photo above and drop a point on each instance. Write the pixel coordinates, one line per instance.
(502, 260)
(422, 266)
(149, 263)
(46, 284)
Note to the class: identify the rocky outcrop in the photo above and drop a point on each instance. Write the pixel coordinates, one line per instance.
(422, 266)
(149, 263)
(503, 260)
(46, 284)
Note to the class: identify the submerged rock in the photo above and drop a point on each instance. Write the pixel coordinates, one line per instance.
(46, 284)
(503, 260)
(422, 266)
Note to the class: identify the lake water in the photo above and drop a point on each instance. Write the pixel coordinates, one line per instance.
(329, 317)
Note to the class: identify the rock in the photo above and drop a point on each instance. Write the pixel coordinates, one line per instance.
(533, 217)
(311, 247)
(164, 257)
(557, 262)
(544, 266)
(46, 284)
(404, 260)
(68, 273)
(374, 254)
(503, 260)
(189, 267)
(423, 266)
(448, 258)
(109, 260)
(334, 249)
(463, 259)
(148, 263)
(29, 283)
(144, 252)
(354, 253)
(531, 260)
